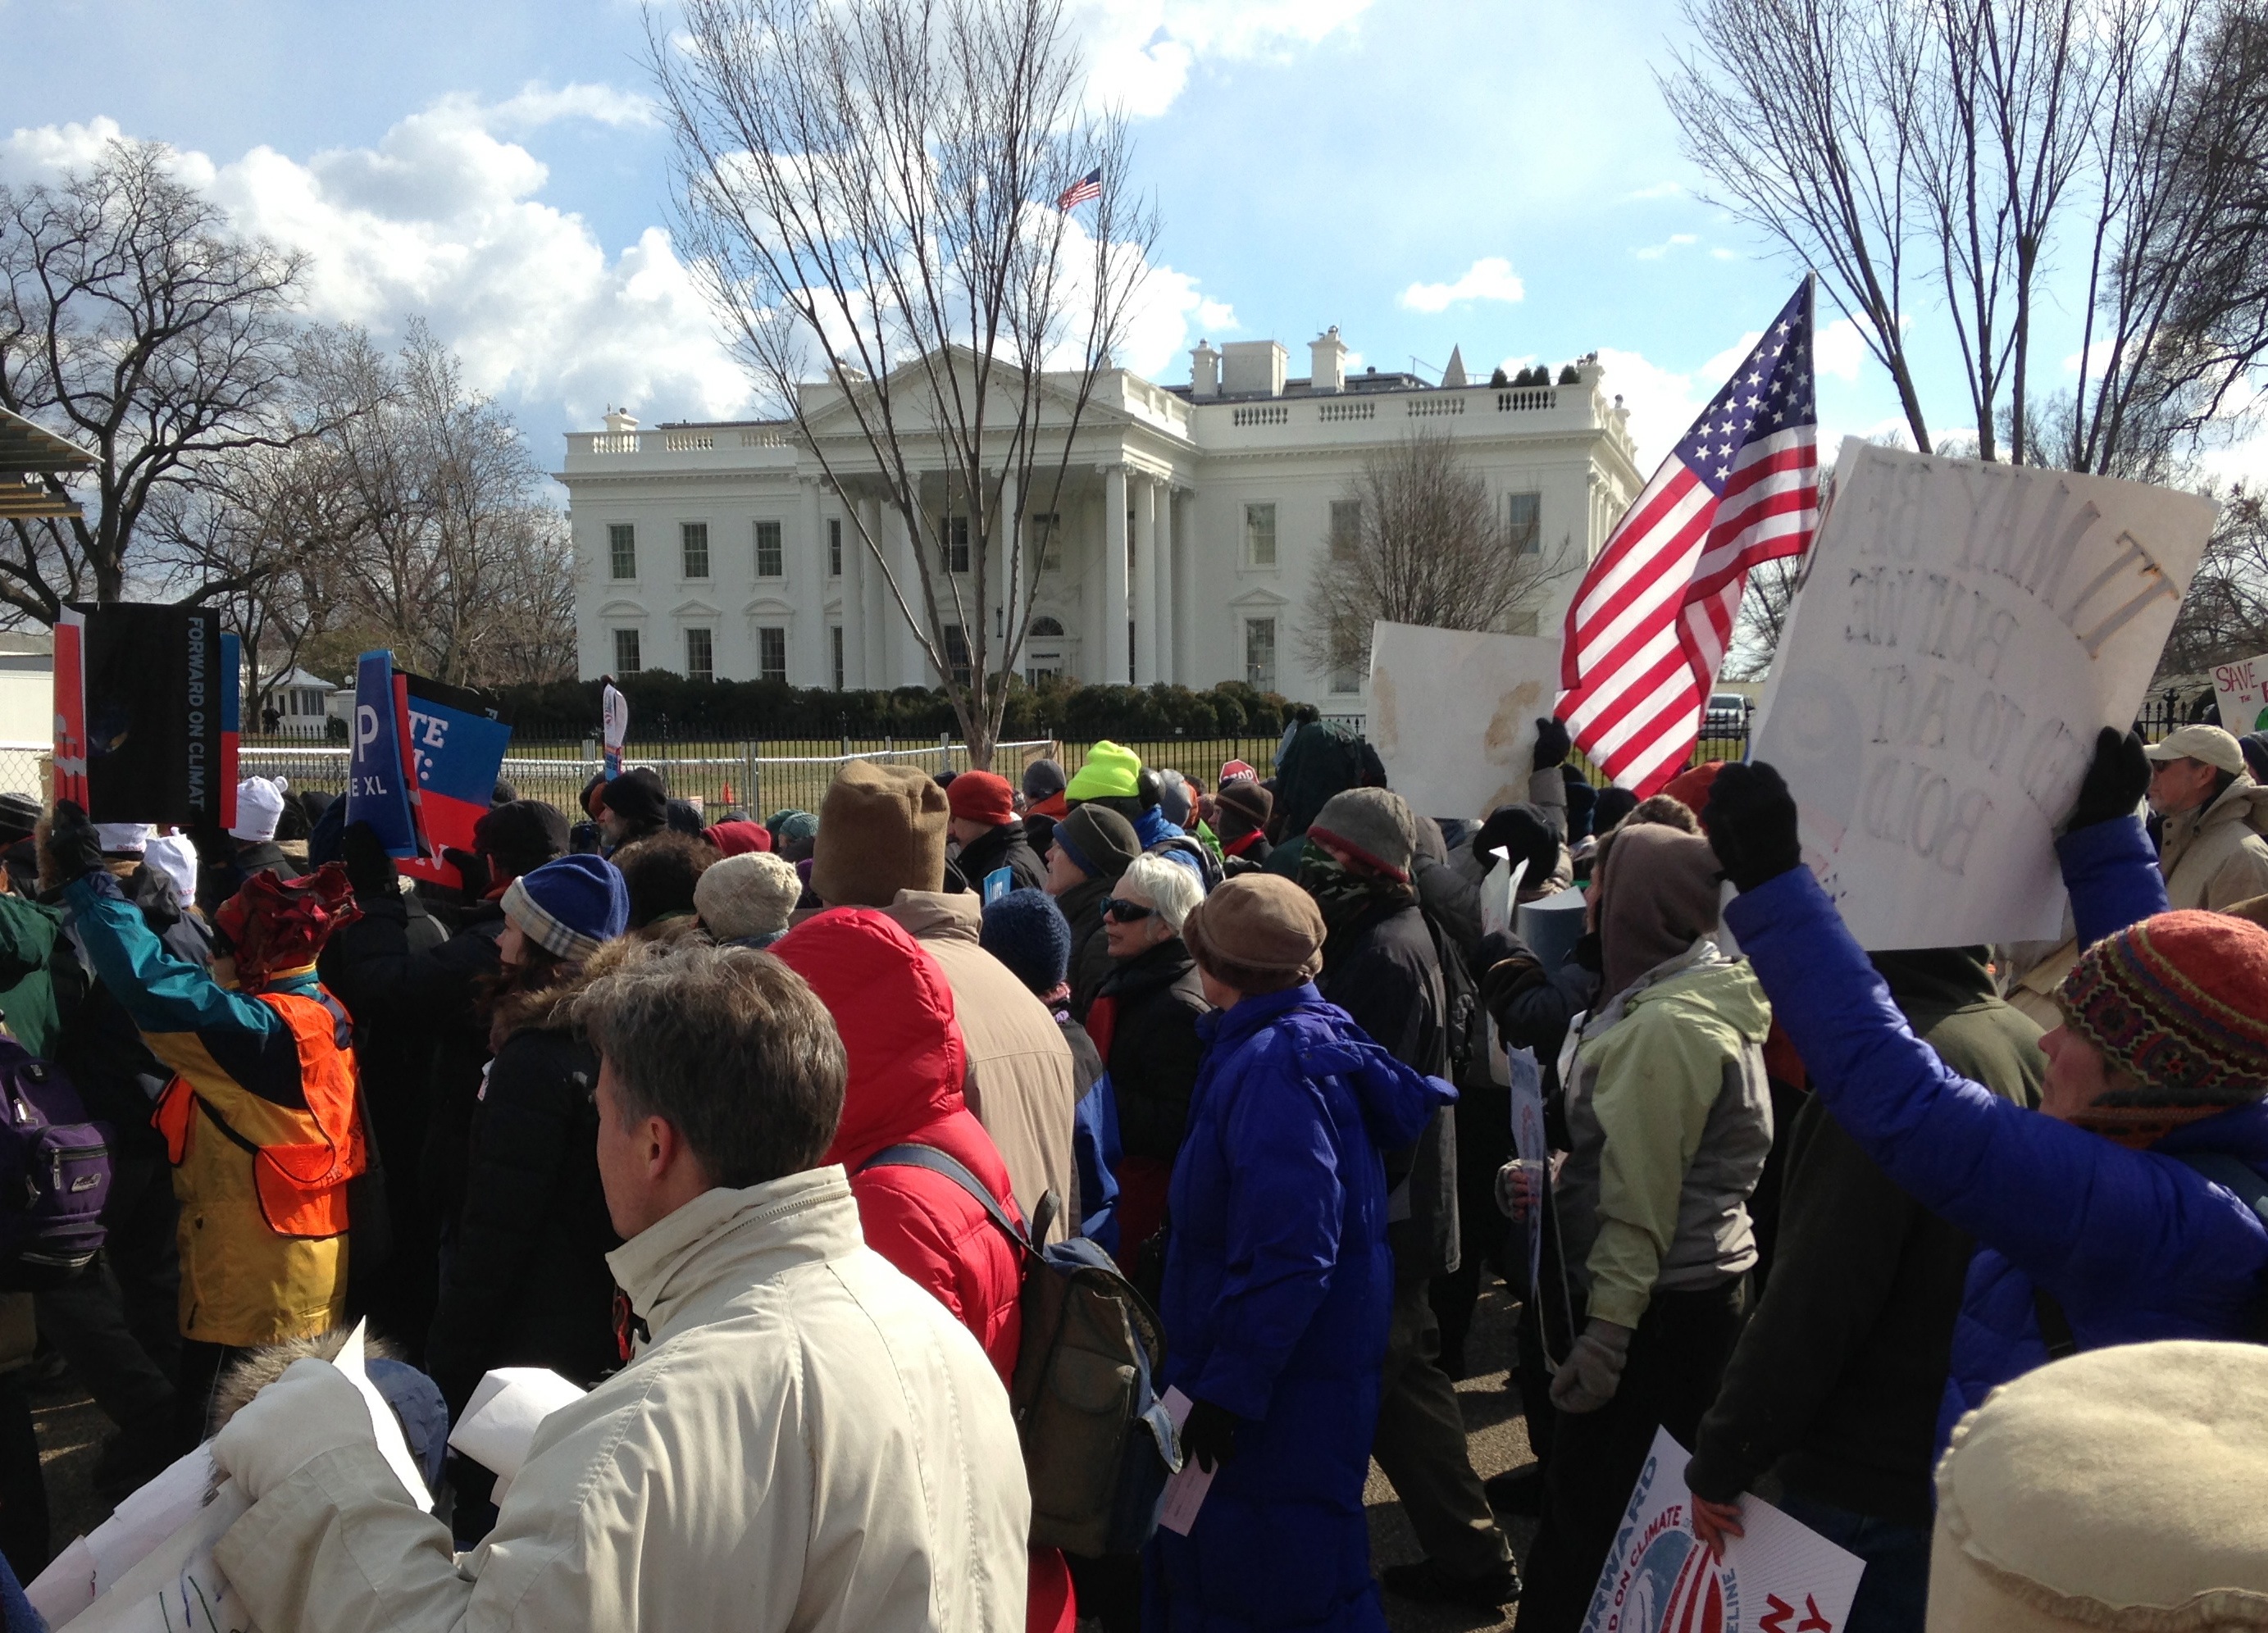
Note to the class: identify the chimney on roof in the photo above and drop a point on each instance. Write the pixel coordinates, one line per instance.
(1453, 377)
(1204, 370)
(1327, 358)
(620, 421)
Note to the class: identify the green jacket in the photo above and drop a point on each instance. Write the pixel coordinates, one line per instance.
(1670, 1121)
(28, 934)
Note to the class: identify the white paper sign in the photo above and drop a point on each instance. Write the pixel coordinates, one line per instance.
(1963, 632)
(1659, 1578)
(385, 1427)
(2242, 691)
(1185, 1487)
(500, 1421)
(1534, 1148)
(1453, 714)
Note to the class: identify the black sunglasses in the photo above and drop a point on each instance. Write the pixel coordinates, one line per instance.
(1126, 912)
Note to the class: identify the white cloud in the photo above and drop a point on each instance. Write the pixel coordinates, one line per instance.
(1722, 253)
(1489, 278)
(1840, 350)
(1217, 314)
(1676, 240)
(1140, 52)
(1658, 190)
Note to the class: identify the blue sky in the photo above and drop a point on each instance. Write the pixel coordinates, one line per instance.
(1422, 174)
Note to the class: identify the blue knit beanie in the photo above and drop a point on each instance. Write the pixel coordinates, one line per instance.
(570, 906)
(1026, 931)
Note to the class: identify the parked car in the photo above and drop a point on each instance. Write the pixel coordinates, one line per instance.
(1727, 715)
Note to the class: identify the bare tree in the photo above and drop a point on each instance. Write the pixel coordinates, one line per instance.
(2224, 617)
(868, 190)
(133, 321)
(1980, 134)
(1418, 540)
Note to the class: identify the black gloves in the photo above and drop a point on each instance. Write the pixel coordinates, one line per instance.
(369, 869)
(73, 848)
(1552, 744)
(1208, 1434)
(2115, 783)
(1750, 821)
(473, 869)
(1588, 952)
(1519, 833)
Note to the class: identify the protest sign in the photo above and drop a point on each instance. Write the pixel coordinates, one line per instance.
(141, 696)
(2242, 691)
(1963, 631)
(1659, 1579)
(1453, 714)
(457, 745)
(615, 727)
(378, 787)
(232, 721)
(1531, 1146)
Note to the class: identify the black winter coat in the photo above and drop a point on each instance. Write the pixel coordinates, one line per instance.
(1154, 1047)
(220, 880)
(1005, 846)
(527, 1283)
(1091, 962)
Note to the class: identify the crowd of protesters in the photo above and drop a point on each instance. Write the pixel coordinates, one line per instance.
(757, 1129)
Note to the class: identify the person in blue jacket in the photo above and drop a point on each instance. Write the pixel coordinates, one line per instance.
(2123, 1213)
(1278, 1278)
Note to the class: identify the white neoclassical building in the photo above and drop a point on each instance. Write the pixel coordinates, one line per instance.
(1191, 521)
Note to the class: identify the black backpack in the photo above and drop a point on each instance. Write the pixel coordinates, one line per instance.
(1097, 1443)
(54, 1174)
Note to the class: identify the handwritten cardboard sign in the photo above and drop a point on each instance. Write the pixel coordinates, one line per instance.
(1659, 1578)
(1453, 714)
(1963, 631)
(2242, 691)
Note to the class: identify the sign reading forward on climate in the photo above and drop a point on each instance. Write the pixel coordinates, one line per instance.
(1963, 632)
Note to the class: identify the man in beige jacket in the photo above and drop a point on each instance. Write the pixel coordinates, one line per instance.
(2212, 853)
(803, 1438)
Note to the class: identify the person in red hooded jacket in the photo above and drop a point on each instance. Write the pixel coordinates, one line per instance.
(894, 1010)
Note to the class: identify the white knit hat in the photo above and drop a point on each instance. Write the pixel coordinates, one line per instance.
(2119, 1490)
(123, 839)
(259, 807)
(750, 895)
(174, 856)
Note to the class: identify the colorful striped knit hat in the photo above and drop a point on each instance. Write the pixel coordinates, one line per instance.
(2180, 1002)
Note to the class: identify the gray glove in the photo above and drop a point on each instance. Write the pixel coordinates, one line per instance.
(1592, 1371)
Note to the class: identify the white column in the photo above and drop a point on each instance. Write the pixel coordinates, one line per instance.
(853, 593)
(1144, 565)
(1005, 573)
(808, 658)
(1112, 667)
(875, 600)
(1161, 557)
(1084, 545)
(909, 667)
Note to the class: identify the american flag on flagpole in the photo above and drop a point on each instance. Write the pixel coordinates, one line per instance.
(1654, 613)
(1088, 186)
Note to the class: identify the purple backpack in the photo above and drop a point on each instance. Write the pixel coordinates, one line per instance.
(54, 1174)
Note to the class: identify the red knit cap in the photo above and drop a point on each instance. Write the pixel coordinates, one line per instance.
(2181, 1002)
(275, 924)
(981, 797)
(1692, 786)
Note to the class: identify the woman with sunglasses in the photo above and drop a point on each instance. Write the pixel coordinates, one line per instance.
(1145, 1025)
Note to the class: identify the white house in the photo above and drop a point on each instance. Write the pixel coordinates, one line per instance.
(302, 704)
(1191, 522)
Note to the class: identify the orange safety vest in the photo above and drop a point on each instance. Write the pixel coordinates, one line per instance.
(303, 1187)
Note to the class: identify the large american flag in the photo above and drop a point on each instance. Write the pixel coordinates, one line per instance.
(1088, 186)
(1654, 613)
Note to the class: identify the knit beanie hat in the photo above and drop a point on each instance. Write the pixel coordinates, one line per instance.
(748, 894)
(1174, 798)
(881, 830)
(2179, 1001)
(175, 856)
(259, 807)
(1026, 931)
(2255, 745)
(1259, 933)
(123, 839)
(981, 797)
(1102, 843)
(1242, 806)
(1043, 779)
(1375, 826)
(1612, 805)
(738, 838)
(2117, 1491)
(1110, 773)
(570, 906)
(521, 835)
(638, 796)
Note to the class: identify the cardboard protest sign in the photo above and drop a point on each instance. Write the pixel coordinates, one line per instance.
(2242, 691)
(457, 747)
(614, 727)
(1659, 1579)
(379, 782)
(1963, 631)
(1453, 714)
(141, 696)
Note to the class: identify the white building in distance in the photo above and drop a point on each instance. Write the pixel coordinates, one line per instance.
(1192, 521)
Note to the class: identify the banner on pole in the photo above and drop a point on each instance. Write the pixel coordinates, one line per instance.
(152, 692)
(1964, 630)
(71, 708)
(378, 789)
(457, 745)
(615, 727)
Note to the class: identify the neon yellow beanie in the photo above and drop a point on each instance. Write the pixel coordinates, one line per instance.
(1109, 774)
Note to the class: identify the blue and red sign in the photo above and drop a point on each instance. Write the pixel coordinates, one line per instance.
(425, 760)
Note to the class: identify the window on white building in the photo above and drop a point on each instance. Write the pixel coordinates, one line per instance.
(953, 543)
(770, 562)
(1047, 533)
(956, 652)
(1346, 528)
(1347, 644)
(1527, 523)
(834, 649)
(699, 662)
(697, 549)
(771, 654)
(1260, 652)
(622, 551)
(626, 651)
(834, 549)
(1260, 535)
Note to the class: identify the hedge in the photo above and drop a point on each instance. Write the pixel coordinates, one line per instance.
(663, 703)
